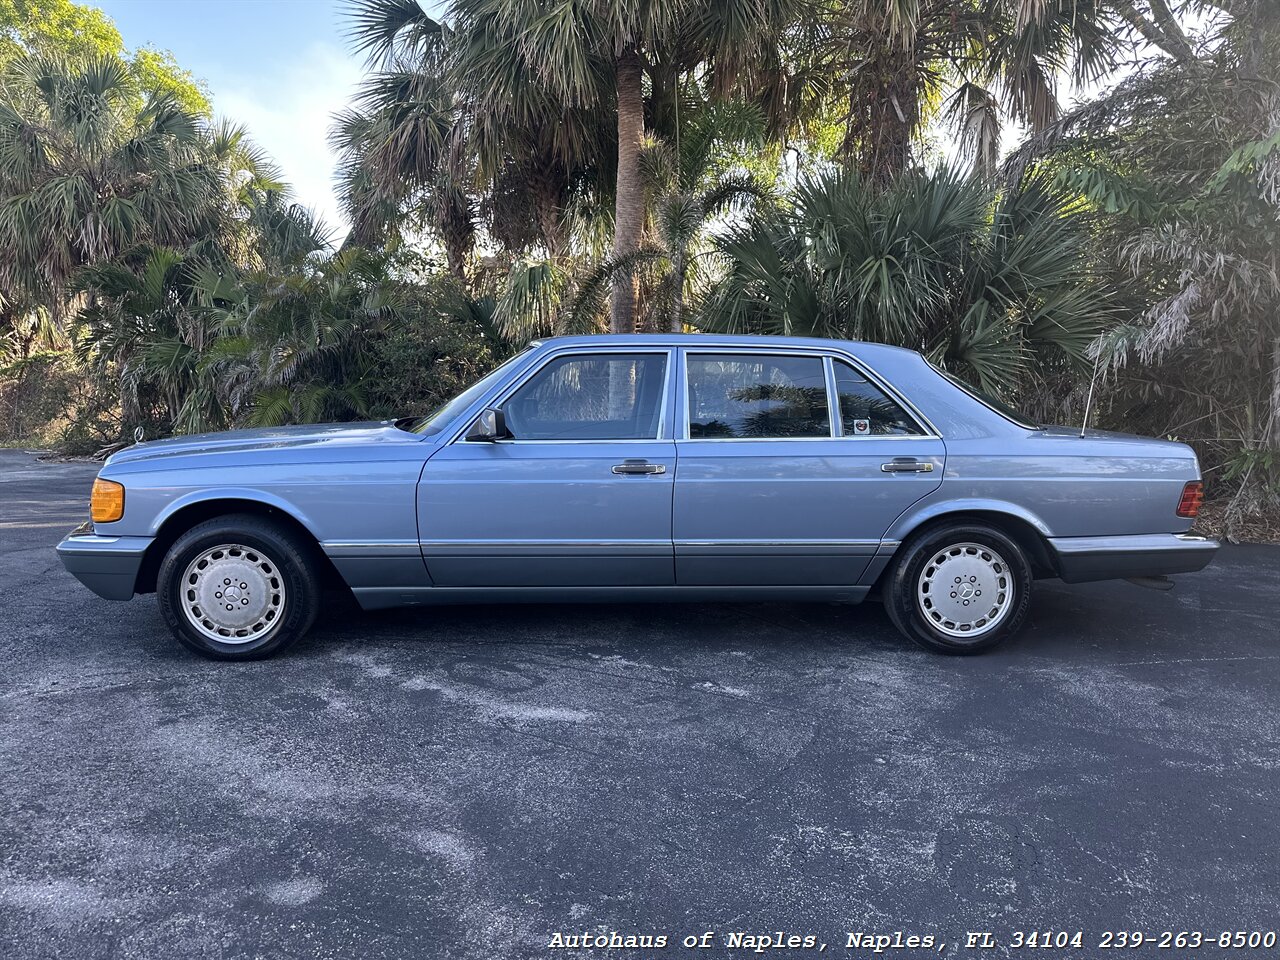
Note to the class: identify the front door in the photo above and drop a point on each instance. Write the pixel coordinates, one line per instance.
(580, 495)
(778, 485)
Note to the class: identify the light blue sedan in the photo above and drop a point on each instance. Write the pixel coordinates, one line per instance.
(645, 468)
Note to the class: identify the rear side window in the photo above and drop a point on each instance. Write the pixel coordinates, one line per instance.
(603, 396)
(866, 410)
(756, 397)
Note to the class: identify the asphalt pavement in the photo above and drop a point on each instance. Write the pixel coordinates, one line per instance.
(469, 782)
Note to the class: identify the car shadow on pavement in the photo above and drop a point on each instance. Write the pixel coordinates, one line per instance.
(1061, 616)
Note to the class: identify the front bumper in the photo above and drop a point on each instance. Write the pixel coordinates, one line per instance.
(106, 565)
(1081, 559)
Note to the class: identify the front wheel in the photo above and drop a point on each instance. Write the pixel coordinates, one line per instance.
(239, 587)
(960, 588)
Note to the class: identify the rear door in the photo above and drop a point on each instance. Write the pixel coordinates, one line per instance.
(581, 493)
(791, 466)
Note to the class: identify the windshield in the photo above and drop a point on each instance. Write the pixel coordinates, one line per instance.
(987, 400)
(436, 421)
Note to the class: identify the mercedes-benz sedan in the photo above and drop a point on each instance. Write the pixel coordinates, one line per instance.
(680, 467)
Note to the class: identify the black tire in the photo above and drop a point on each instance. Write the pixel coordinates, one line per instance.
(289, 575)
(906, 604)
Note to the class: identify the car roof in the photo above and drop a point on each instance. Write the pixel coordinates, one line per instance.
(860, 348)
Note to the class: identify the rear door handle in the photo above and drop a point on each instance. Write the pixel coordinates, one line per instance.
(638, 468)
(906, 465)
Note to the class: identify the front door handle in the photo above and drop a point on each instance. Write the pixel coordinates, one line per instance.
(638, 468)
(906, 465)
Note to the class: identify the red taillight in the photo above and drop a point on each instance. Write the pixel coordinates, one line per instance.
(1192, 497)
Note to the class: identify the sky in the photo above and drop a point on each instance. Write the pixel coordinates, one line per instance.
(280, 67)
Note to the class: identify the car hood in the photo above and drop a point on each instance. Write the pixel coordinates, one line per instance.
(266, 439)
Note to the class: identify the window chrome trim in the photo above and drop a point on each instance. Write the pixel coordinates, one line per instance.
(930, 432)
(558, 549)
(895, 437)
(774, 549)
(580, 350)
(530, 439)
(779, 543)
(833, 397)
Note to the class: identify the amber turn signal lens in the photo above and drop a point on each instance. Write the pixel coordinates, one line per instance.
(1192, 497)
(107, 503)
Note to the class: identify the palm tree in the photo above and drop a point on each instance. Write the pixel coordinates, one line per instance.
(297, 348)
(87, 174)
(403, 148)
(681, 215)
(885, 69)
(690, 183)
(168, 327)
(140, 327)
(586, 54)
(258, 224)
(693, 187)
(524, 83)
(196, 349)
(998, 289)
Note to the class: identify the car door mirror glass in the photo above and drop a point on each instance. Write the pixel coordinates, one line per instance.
(491, 425)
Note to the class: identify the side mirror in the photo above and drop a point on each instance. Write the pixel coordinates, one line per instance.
(491, 425)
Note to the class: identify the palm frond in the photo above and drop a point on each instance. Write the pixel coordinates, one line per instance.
(380, 29)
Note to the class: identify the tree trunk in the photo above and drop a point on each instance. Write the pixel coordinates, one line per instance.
(546, 198)
(456, 249)
(457, 229)
(884, 114)
(628, 220)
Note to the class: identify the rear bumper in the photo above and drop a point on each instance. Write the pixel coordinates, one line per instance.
(106, 565)
(1081, 559)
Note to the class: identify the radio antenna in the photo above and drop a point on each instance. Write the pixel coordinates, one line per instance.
(1088, 403)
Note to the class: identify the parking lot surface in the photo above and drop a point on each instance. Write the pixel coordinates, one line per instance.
(469, 781)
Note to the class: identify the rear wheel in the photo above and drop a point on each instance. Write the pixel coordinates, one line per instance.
(959, 588)
(239, 587)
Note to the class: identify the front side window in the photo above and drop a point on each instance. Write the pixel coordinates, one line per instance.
(603, 396)
(866, 410)
(762, 397)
